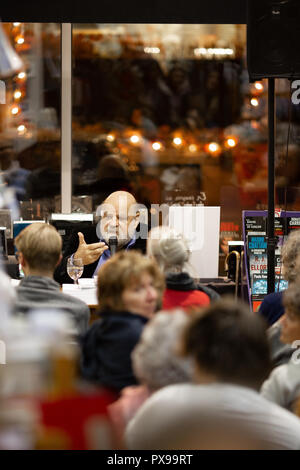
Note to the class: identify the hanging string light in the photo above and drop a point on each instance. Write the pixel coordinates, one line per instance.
(156, 146)
(254, 102)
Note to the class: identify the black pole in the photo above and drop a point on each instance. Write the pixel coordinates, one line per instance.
(271, 187)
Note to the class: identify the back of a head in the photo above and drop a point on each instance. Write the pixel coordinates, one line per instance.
(40, 245)
(291, 299)
(229, 343)
(155, 359)
(112, 166)
(169, 248)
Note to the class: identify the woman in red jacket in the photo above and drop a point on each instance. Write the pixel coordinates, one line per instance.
(171, 251)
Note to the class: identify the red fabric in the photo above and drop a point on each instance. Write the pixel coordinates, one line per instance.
(185, 299)
(72, 416)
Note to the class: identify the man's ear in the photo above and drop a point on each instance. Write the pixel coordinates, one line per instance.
(22, 260)
(59, 260)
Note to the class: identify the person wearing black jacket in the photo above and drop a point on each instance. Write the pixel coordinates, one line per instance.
(118, 219)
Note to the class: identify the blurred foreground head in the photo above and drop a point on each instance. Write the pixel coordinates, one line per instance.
(229, 344)
(155, 359)
(209, 417)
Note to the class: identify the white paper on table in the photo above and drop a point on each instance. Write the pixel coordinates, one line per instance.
(87, 295)
(201, 227)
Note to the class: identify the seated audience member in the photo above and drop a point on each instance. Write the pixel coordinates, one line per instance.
(129, 290)
(280, 352)
(223, 409)
(272, 307)
(39, 251)
(283, 385)
(171, 251)
(119, 218)
(155, 365)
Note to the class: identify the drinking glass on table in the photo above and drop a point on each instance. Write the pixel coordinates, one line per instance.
(75, 269)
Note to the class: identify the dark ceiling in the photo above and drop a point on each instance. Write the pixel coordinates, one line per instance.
(126, 11)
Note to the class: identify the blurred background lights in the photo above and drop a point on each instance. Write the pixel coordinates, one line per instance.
(177, 141)
(231, 142)
(254, 102)
(214, 148)
(156, 146)
(15, 110)
(22, 75)
(16, 24)
(20, 40)
(192, 148)
(135, 139)
(21, 128)
(17, 94)
(152, 50)
(259, 86)
(110, 138)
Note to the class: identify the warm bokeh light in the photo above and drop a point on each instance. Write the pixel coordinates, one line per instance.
(231, 142)
(20, 39)
(15, 110)
(16, 24)
(259, 86)
(21, 75)
(192, 148)
(152, 50)
(177, 141)
(211, 51)
(135, 139)
(254, 102)
(110, 137)
(214, 148)
(254, 124)
(17, 94)
(21, 128)
(156, 146)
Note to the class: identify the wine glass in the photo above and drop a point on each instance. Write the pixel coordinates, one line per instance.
(75, 269)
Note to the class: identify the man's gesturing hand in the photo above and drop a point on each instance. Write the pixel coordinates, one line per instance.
(89, 253)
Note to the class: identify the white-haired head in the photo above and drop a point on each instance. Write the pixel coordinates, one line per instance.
(169, 247)
(155, 360)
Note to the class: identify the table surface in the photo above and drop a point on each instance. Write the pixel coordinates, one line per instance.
(87, 290)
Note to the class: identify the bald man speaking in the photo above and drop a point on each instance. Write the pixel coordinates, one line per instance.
(118, 229)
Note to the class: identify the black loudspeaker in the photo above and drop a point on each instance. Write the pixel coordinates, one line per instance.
(273, 39)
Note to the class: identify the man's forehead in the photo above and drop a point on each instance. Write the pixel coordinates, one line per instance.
(117, 209)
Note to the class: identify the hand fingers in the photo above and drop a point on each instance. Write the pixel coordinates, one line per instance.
(81, 239)
(95, 254)
(96, 246)
(99, 251)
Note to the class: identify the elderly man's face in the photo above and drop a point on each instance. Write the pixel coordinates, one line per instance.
(119, 219)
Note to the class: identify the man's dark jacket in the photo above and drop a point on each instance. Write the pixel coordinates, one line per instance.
(61, 276)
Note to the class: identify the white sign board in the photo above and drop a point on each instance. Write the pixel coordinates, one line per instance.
(201, 227)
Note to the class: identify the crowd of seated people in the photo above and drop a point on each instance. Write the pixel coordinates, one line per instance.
(197, 375)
